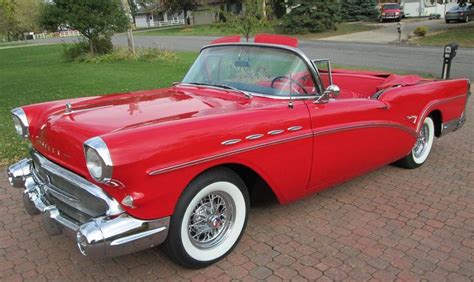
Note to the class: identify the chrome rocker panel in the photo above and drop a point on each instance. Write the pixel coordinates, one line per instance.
(113, 234)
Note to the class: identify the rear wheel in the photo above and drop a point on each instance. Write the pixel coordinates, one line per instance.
(209, 219)
(422, 148)
(447, 21)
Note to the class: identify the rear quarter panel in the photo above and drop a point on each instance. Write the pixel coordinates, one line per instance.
(447, 96)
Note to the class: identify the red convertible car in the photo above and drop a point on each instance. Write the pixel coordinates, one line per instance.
(178, 166)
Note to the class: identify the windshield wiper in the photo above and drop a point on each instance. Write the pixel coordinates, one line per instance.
(223, 86)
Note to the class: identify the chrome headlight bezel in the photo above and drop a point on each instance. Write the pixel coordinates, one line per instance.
(96, 154)
(21, 122)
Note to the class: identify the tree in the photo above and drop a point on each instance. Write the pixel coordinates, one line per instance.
(19, 16)
(96, 20)
(244, 23)
(359, 10)
(176, 6)
(311, 16)
(7, 18)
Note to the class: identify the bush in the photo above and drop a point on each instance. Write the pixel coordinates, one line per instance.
(117, 55)
(420, 31)
(82, 48)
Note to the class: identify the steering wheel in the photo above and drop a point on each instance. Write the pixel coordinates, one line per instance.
(290, 79)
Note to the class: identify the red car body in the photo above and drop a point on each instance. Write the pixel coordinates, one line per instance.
(160, 140)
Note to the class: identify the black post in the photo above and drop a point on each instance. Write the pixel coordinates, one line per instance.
(450, 51)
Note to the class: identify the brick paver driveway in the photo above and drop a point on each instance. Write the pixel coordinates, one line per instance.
(390, 224)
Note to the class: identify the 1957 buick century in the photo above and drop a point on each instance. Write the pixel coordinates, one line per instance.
(125, 172)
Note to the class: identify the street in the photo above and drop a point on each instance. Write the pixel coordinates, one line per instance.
(424, 60)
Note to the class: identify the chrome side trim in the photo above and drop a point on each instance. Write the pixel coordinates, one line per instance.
(275, 132)
(433, 104)
(231, 142)
(226, 154)
(295, 128)
(366, 125)
(254, 137)
(453, 125)
(114, 207)
(284, 140)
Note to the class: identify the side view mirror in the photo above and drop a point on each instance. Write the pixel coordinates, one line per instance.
(332, 91)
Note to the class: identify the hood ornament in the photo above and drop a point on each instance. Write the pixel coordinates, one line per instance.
(68, 108)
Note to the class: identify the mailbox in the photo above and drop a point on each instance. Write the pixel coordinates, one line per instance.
(450, 51)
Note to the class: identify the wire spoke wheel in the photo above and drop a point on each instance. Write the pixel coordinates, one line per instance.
(211, 220)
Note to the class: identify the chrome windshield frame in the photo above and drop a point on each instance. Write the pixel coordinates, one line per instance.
(309, 64)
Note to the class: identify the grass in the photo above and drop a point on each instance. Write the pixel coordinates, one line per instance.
(37, 74)
(217, 30)
(463, 35)
(10, 44)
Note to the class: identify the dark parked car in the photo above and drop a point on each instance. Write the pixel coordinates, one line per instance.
(391, 11)
(460, 13)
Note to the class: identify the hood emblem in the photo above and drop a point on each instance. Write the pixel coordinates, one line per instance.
(68, 108)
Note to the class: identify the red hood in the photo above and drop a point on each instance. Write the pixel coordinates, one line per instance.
(60, 136)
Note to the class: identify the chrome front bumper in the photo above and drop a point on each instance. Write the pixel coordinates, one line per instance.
(103, 236)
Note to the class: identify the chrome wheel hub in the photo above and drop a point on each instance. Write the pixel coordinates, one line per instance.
(211, 220)
(422, 141)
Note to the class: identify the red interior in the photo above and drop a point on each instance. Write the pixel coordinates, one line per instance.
(366, 84)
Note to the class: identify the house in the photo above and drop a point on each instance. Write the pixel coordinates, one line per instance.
(206, 13)
(153, 16)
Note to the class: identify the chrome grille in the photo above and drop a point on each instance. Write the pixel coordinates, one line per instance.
(70, 199)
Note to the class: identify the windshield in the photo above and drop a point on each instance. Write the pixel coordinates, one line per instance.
(391, 7)
(257, 69)
(457, 8)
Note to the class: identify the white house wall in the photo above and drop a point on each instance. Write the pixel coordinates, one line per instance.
(421, 8)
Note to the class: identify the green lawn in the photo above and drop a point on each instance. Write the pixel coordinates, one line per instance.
(463, 35)
(215, 30)
(14, 43)
(37, 74)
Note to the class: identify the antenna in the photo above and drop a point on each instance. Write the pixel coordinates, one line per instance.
(290, 104)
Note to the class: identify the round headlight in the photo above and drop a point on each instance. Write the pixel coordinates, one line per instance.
(20, 121)
(94, 163)
(98, 160)
(18, 126)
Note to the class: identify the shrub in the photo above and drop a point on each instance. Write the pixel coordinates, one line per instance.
(78, 53)
(420, 31)
(80, 49)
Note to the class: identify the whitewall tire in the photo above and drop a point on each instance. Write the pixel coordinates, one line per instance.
(423, 146)
(209, 219)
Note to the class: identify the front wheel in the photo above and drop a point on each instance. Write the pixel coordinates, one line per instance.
(209, 219)
(422, 148)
